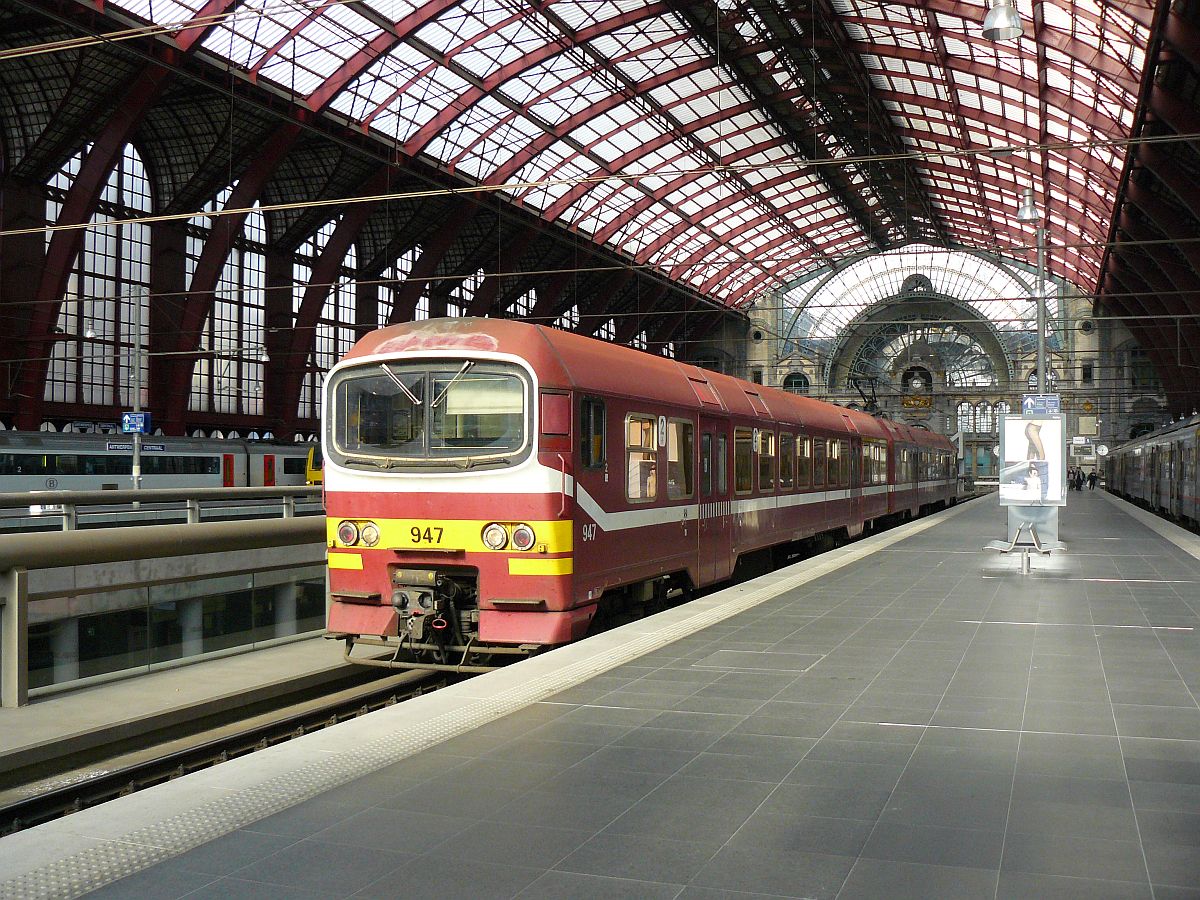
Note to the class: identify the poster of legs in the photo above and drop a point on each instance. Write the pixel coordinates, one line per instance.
(1034, 453)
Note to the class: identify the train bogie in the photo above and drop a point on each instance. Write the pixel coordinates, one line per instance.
(493, 486)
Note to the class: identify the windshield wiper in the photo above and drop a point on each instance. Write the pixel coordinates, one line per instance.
(412, 398)
(449, 384)
(471, 461)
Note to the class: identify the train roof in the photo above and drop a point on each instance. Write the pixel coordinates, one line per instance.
(1161, 434)
(571, 361)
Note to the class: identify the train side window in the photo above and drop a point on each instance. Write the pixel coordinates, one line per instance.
(787, 462)
(819, 447)
(591, 434)
(706, 480)
(641, 457)
(681, 455)
(766, 460)
(804, 463)
(722, 465)
(743, 460)
(834, 474)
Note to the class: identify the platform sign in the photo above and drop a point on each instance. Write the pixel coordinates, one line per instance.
(1040, 405)
(1034, 467)
(135, 423)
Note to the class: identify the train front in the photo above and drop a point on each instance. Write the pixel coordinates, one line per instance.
(448, 525)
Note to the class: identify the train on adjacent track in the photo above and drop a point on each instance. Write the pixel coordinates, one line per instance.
(1159, 470)
(493, 486)
(46, 461)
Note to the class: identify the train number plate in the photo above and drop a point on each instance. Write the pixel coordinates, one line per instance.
(426, 535)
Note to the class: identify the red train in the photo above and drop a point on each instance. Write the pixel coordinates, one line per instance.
(492, 485)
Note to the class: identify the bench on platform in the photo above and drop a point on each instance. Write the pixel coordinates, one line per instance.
(1031, 543)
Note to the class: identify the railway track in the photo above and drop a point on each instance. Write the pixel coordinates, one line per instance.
(62, 793)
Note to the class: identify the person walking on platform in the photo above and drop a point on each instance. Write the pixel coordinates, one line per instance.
(1092, 479)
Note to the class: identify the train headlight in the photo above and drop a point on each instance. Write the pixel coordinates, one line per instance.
(369, 534)
(522, 537)
(495, 537)
(347, 533)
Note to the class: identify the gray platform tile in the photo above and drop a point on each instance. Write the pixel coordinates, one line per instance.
(1158, 722)
(785, 874)
(935, 845)
(578, 886)
(434, 879)
(864, 752)
(731, 767)
(398, 830)
(315, 865)
(743, 688)
(710, 723)
(998, 760)
(1163, 796)
(564, 809)
(1174, 695)
(652, 684)
(1169, 827)
(1164, 750)
(634, 701)
(810, 834)
(641, 759)
(231, 888)
(699, 893)
(307, 818)
(854, 802)
(638, 857)
(607, 715)
(510, 844)
(1070, 765)
(466, 793)
(772, 746)
(955, 781)
(757, 660)
(785, 726)
(1079, 857)
(1108, 823)
(1067, 789)
(1023, 885)
(724, 705)
(594, 733)
(986, 812)
(844, 775)
(693, 810)
(231, 852)
(666, 739)
(887, 714)
(875, 733)
(554, 755)
(1073, 718)
(164, 881)
(873, 879)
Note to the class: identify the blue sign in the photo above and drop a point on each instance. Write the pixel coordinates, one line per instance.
(1040, 405)
(135, 423)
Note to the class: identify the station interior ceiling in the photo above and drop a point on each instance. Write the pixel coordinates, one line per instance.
(658, 167)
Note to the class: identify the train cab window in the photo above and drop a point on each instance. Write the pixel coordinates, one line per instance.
(819, 448)
(706, 473)
(721, 464)
(681, 454)
(641, 458)
(787, 461)
(766, 460)
(804, 462)
(743, 460)
(591, 433)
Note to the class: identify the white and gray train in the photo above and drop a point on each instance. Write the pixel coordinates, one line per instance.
(42, 461)
(1159, 471)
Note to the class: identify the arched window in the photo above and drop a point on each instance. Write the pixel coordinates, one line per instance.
(983, 417)
(391, 280)
(966, 416)
(462, 295)
(94, 363)
(335, 327)
(228, 378)
(796, 383)
(1002, 409)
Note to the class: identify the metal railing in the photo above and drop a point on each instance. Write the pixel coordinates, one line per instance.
(68, 503)
(32, 569)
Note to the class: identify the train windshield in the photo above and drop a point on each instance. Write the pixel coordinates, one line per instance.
(456, 413)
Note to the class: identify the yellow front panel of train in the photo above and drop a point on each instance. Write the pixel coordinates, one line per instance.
(450, 534)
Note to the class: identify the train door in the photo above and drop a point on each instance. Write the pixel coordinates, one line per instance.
(269, 470)
(1176, 483)
(854, 489)
(227, 473)
(715, 532)
(1155, 479)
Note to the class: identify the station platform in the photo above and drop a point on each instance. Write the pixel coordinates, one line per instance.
(906, 716)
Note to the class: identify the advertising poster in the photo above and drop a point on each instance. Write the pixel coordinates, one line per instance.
(1033, 472)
